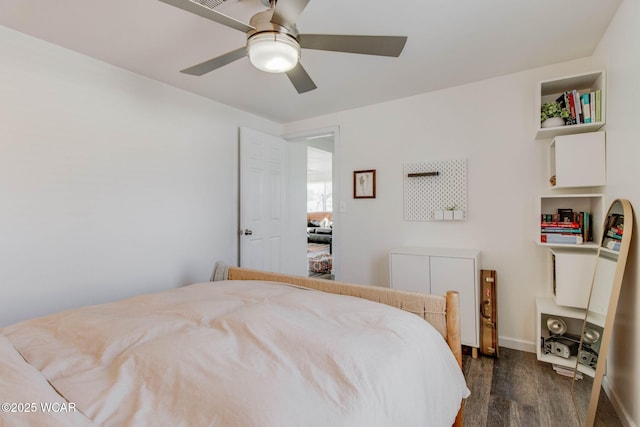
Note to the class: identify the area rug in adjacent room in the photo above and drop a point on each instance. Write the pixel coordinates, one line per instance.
(320, 263)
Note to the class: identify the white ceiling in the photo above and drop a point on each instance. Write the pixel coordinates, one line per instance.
(449, 43)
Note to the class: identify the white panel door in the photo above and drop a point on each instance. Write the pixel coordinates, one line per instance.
(410, 273)
(263, 166)
(458, 274)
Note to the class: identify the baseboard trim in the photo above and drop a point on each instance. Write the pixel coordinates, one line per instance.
(624, 416)
(516, 344)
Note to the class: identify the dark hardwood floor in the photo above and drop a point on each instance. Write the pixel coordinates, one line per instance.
(517, 390)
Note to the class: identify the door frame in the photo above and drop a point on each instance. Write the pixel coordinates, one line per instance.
(302, 136)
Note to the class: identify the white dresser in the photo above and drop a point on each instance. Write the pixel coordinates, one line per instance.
(436, 271)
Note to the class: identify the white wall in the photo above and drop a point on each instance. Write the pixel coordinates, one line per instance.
(618, 53)
(111, 184)
(491, 124)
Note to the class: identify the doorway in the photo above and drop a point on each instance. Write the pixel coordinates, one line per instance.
(262, 213)
(320, 224)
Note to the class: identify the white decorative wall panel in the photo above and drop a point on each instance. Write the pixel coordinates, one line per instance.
(426, 195)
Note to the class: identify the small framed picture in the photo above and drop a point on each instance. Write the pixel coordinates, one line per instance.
(364, 184)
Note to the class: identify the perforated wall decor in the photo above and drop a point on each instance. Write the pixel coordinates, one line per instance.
(427, 196)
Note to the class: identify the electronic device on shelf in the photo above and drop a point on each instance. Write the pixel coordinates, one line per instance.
(588, 357)
(563, 344)
(560, 343)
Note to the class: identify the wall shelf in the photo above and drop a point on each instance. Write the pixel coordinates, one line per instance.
(550, 90)
(592, 203)
(420, 174)
(545, 307)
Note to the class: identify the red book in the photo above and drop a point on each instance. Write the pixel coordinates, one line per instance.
(560, 224)
(572, 108)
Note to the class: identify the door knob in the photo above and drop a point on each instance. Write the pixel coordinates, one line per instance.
(247, 232)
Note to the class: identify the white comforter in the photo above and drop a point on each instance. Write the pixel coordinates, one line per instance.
(241, 353)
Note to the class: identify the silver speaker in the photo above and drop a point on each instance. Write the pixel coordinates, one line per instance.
(564, 348)
(556, 326)
(588, 357)
(590, 336)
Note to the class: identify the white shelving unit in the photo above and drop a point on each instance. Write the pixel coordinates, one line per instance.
(578, 160)
(550, 90)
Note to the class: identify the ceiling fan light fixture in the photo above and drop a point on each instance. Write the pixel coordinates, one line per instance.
(273, 52)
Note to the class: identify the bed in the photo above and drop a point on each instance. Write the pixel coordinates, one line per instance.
(257, 349)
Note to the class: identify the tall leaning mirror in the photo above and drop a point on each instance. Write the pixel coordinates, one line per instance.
(601, 309)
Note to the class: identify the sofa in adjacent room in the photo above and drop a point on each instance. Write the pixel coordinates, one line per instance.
(320, 228)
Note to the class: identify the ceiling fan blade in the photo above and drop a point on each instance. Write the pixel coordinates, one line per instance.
(211, 14)
(367, 45)
(217, 62)
(300, 79)
(286, 12)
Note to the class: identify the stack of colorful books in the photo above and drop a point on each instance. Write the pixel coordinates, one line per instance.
(565, 227)
(582, 107)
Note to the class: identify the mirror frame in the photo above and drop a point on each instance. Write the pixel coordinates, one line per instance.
(621, 262)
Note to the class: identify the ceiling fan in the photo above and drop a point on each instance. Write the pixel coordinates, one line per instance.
(273, 41)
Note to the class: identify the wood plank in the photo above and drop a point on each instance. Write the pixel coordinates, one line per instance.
(517, 390)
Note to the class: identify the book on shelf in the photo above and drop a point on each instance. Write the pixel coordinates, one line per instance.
(565, 215)
(585, 223)
(567, 371)
(598, 105)
(568, 224)
(576, 101)
(582, 108)
(561, 238)
(561, 230)
(586, 107)
(560, 227)
(565, 227)
(572, 109)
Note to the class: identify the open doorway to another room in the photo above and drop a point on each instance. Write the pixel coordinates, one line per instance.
(320, 207)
